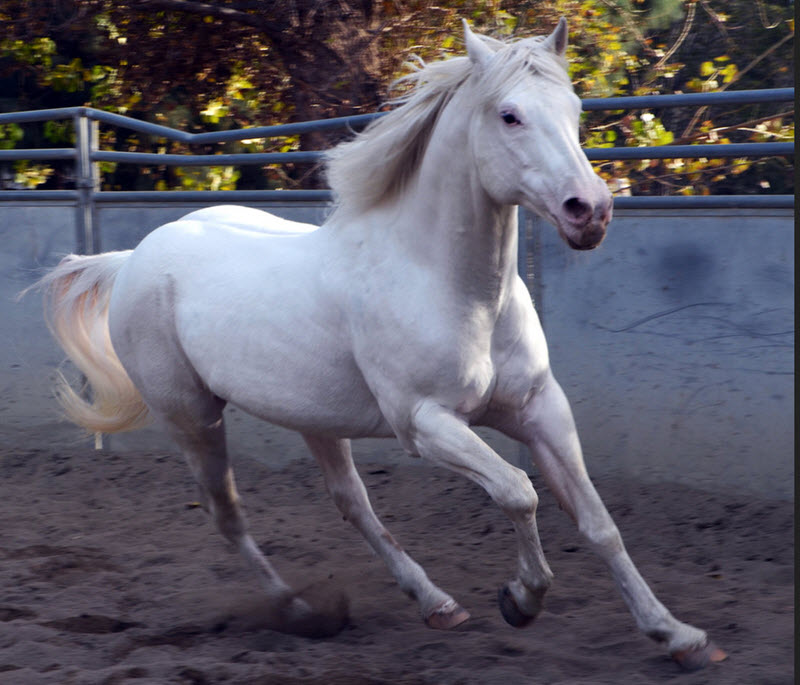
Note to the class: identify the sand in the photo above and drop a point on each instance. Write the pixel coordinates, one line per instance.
(111, 574)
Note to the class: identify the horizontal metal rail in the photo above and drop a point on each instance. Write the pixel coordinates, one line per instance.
(146, 158)
(255, 132)
(728, 97)
(86, 155)
(357, 121)
(692, 151)
(38, 154)
(38, 195)
(313, 157)
(704, 202)
(216, 196)
(291, 196)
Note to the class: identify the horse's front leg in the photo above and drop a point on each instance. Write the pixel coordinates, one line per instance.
(445, 439)
(546, 425)
(349, 494)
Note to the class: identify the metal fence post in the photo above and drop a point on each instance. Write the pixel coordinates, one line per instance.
(87, 183)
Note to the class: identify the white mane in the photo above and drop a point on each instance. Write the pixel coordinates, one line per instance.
(378, 162)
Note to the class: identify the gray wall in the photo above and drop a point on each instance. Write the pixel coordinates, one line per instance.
(675, 344)
(674, 341)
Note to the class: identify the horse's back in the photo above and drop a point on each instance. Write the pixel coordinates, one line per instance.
(232, 240)
(248, 219)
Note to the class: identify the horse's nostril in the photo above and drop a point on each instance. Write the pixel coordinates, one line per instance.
(577, 209)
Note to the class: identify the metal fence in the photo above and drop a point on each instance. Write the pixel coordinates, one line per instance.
(86, 154)
(676, 347)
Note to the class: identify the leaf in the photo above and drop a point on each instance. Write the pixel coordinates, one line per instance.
(707, 68)
(729, 73)
(10, 134)
(215, 111)
(665, 137)
(31, 175)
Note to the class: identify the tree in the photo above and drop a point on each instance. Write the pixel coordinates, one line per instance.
(200, 65)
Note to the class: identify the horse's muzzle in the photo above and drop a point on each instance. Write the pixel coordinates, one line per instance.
(584, 225)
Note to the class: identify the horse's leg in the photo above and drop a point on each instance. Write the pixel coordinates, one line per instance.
(443, 438)
(546, 425)
(349, 494)
(198, 429)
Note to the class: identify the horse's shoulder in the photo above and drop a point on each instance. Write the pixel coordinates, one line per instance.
(519, 348)
(517, 315)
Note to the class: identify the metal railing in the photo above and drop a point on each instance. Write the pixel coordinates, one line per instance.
(86, 155)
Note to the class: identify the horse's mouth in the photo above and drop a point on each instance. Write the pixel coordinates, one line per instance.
(590, 244)
(577, 246)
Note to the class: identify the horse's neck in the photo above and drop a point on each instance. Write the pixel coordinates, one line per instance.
(449, 222)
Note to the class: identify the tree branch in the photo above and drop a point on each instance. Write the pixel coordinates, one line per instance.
(702, 110)
(687, 25)
(736, 127)
(211, 10)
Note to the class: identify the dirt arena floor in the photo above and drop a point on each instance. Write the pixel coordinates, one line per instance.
(111, 574)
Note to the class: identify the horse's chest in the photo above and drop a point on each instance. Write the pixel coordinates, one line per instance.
(464, 369)
(475, 387)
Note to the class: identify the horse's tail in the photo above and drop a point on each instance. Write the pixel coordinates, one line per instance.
(76, 299)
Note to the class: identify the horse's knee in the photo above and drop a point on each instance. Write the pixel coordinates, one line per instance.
(517, 495)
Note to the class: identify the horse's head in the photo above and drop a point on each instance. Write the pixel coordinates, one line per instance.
(524, 135)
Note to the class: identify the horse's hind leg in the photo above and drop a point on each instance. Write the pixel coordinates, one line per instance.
(547, 426)
(350, 496)
(200, 434)
(143, 336)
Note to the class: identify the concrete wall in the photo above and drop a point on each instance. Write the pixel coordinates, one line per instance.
(675, 344)
(673, 341)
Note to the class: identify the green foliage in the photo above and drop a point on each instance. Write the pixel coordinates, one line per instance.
(638, 47)
(59, 132)
(10, 135)
(28, 175)
(202, 178)
(36, 52)
(197, 68)
(647, 130)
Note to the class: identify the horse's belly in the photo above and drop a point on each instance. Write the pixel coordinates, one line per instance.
(302, 394)
(284, 359)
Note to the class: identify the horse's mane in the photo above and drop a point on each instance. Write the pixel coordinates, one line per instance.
(379, 161)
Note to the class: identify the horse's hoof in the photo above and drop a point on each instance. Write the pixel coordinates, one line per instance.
(328, 617)
(695, 659)
(510, 611)
(446, 616)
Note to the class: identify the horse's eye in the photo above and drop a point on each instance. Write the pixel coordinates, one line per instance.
(510, 118)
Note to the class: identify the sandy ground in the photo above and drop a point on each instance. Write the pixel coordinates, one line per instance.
(111, 575)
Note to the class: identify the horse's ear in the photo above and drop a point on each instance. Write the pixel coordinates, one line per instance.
(479, 53)
(557, 41)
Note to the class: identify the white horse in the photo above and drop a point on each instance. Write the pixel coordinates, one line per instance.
(402, 315)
